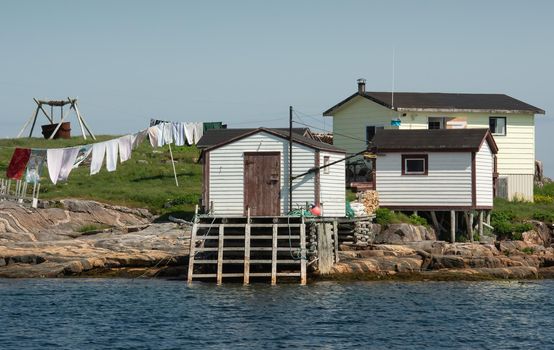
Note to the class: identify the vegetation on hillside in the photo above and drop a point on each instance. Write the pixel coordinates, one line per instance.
(145, 181)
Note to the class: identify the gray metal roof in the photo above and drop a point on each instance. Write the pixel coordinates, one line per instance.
(215, 136)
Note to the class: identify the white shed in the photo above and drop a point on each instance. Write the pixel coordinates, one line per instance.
(435, 169)
(250, 169)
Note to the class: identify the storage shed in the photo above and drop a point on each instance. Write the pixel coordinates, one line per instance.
(435, 170)
(250, 170)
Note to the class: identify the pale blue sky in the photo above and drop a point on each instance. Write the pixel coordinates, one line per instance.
(245, 62)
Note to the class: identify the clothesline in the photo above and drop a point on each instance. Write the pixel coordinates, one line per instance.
(29, 162)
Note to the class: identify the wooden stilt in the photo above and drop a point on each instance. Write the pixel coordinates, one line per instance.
(83, 120)
(480, 223)
(192, 249)
(488, 219)
(336, 239)
(220, 254)
(470, 226)
(303, 277)
(274, 256)
(452, 226)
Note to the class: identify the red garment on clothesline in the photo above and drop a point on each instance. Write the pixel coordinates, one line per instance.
(19, 161)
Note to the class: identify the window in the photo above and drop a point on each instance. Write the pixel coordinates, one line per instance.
(325, 164)
(370, 132)
(436, 123)
(415, 164)
(497, 125)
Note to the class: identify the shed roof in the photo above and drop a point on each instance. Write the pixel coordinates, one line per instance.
(213, 137)
(442, 140)
(224, 138)
(444, 102)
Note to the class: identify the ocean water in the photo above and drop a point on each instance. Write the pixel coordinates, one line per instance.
(160, 314)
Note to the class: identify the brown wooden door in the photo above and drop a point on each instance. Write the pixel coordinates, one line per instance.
(262, 183)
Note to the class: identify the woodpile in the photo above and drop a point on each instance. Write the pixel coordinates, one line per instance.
(370, 200)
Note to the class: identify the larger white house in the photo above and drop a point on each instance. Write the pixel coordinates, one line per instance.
(511, 122)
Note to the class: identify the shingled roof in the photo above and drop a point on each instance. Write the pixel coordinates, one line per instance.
(444, 102)
(215, 136)
(441, 140)
(218, 137)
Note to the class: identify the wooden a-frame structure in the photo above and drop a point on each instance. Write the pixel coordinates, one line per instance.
(73, 105)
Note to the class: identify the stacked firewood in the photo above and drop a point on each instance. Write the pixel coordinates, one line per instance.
(370, 200)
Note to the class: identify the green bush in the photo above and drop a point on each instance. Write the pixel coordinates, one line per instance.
(543, 216)
(417, 220)
(522, 227)
(506, 225)
(384, 216)
(543, 199)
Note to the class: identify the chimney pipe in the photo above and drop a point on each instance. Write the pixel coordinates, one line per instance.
(361, 86)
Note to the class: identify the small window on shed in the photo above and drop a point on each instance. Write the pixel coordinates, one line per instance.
(414, 164)
(325, 164)
(497, 126)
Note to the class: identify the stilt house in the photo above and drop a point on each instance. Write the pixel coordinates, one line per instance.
(249, 169)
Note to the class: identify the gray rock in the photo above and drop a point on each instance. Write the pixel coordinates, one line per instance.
(401, 233)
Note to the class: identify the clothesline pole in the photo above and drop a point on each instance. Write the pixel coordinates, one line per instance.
(173, 164)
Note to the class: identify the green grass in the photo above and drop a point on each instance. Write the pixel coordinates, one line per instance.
(144, 181)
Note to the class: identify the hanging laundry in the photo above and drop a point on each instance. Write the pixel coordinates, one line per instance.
(168, 133)
(84, 153)
(17, 165)
(60, 162)
(125, 146)
(155, 121)
(198, 132)
(35, 166)
(98, 152)
(154, 135)
(161, 139)
(189, 133)
(179, 134)
(112, 148)
(138, 138)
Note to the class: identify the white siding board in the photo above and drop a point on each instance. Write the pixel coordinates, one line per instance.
(332, 186)
(448, 182)
(520, 187)
(484, 167)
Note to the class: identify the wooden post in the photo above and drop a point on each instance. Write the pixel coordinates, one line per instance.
(480, 223)
(173, 164)
(336, 237)
(83, 120)
(33, 118)
(192, 250)
(246, 274)
(488, 219)
(452, 226)
(303, 278)
(470, 226)
(274, 256)
(220, 254)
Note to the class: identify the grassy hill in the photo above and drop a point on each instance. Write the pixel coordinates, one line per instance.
(146, 180)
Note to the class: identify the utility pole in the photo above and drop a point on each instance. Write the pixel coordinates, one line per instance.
(290, 158)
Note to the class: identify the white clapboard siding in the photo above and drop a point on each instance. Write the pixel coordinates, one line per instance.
(448, 182)
(226, 188)
(520, 186)
(332, 190)
(484, 167)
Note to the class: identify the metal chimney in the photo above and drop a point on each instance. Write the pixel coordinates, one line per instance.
(361, 86)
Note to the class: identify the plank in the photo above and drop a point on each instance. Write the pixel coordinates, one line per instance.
(336, 239)
(205, 275)
(192, 249)
(244, 225)
(303, 278)
(247, 254)
(274, 256)
(220, 254)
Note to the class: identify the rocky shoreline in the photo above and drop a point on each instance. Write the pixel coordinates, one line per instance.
(52, 242)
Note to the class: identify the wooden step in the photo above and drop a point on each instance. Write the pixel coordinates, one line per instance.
(244, 225)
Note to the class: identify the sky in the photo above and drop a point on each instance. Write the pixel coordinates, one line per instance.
(245, 62)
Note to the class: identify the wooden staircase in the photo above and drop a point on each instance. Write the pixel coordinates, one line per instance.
(248, 249)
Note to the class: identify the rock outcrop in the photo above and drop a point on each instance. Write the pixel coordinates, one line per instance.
(48, 243)
(401, 233)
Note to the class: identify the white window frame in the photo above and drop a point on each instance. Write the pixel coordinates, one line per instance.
(505, 125)
(407, 157)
